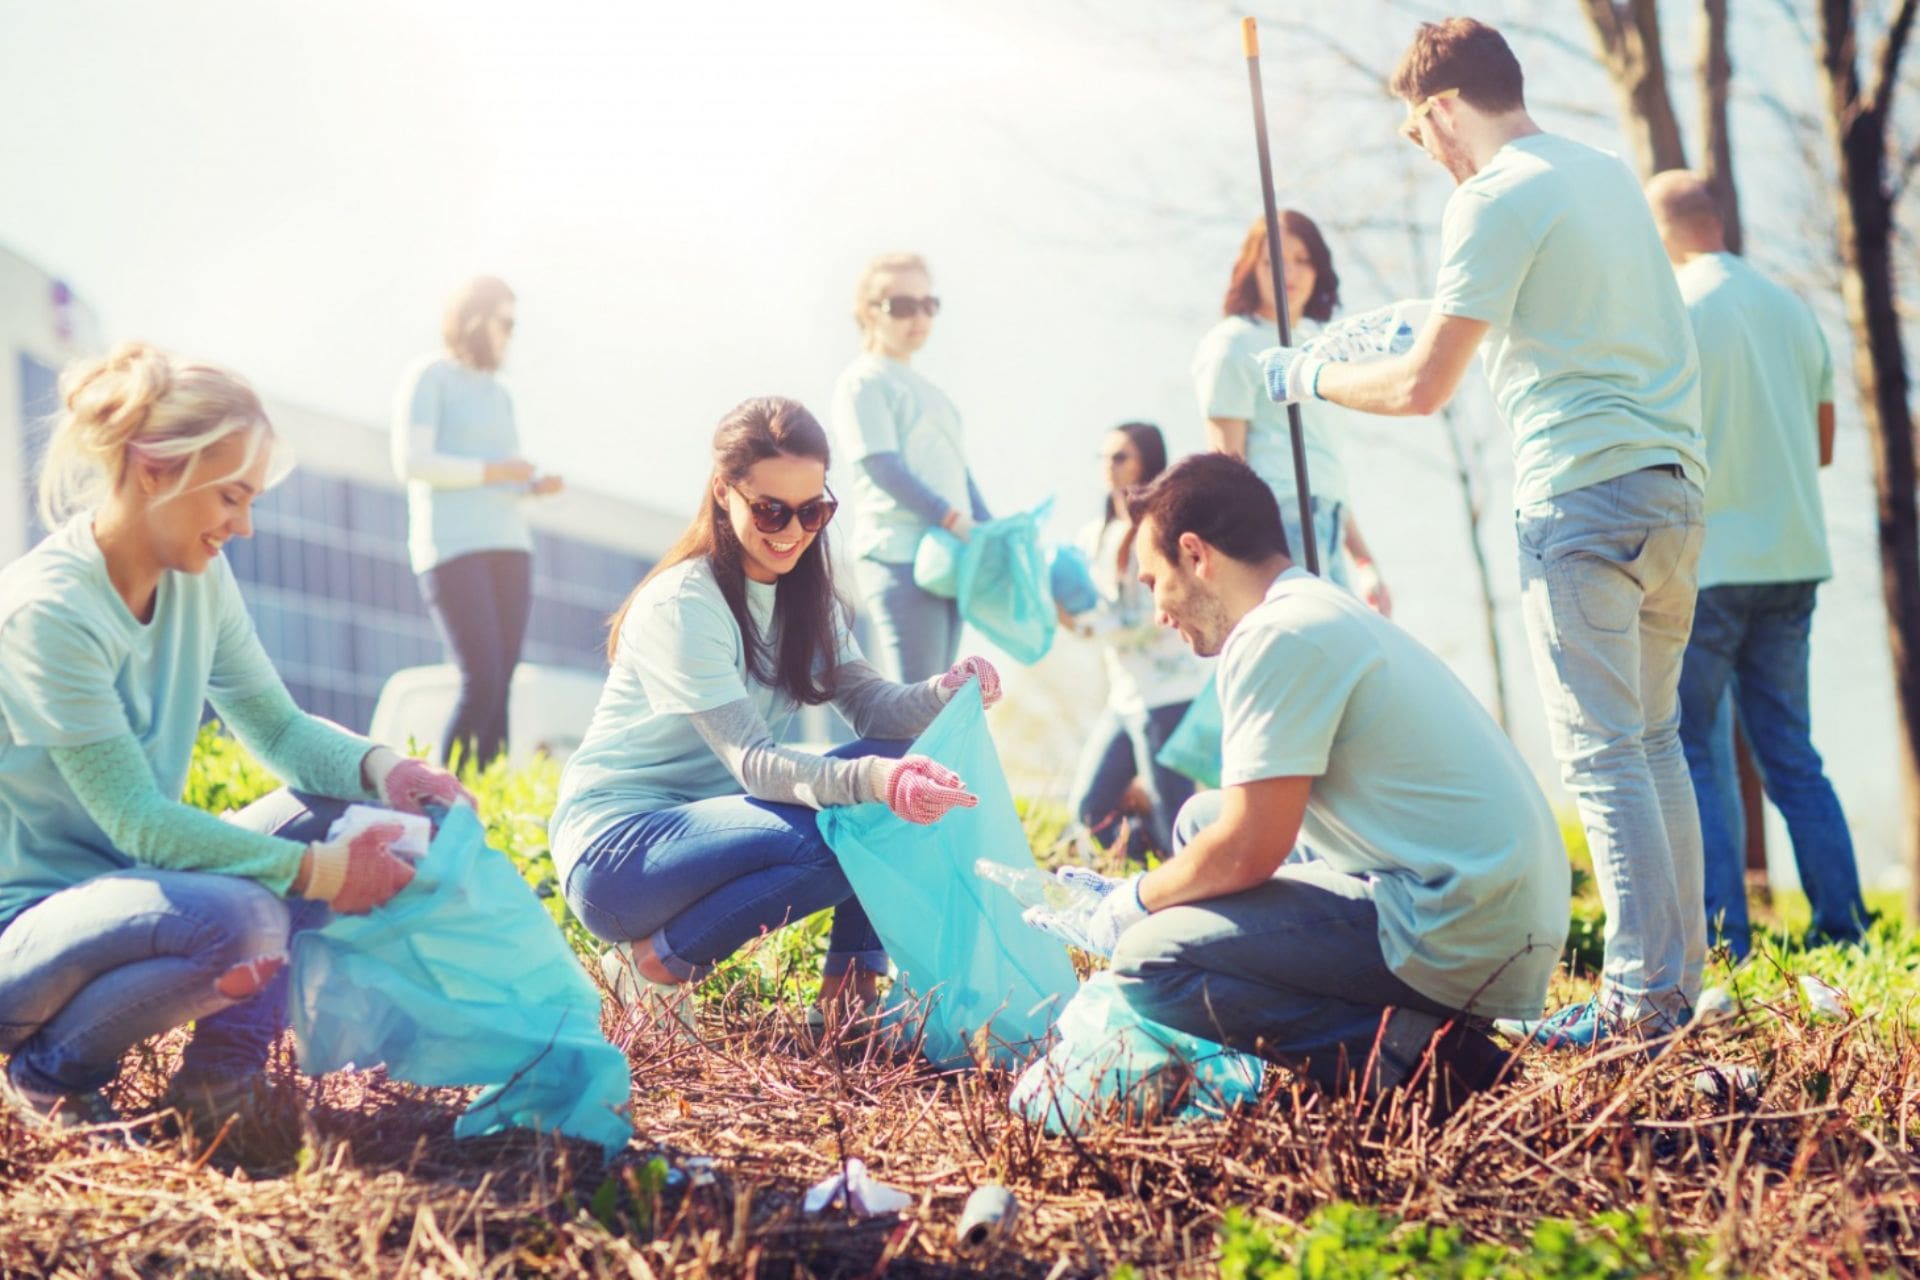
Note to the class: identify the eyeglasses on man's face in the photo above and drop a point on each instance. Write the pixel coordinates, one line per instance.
(1411, 129)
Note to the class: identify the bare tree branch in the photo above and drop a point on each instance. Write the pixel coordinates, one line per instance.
(1627, 33)
(1714, 71)
(1887, 59)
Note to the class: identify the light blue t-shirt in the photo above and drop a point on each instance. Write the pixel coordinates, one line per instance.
(883, 406)
(1764, 373)
(80, 670)
(680, 652)
(1414, 787)
(471, 414)
(1229, 384)
(1589, 352)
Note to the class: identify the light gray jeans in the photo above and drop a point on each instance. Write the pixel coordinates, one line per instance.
(1607, 585)
(916, 634)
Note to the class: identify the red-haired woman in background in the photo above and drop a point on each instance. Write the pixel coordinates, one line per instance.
(1242, 420)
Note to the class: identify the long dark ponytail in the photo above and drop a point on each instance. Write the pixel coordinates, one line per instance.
(806, 603)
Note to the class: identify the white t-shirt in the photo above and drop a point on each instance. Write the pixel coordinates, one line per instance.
(1148, 665)
(1229, 384)
(680, 652)
(1414, 786)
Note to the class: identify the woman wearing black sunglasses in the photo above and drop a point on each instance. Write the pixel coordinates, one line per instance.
(682, 829)
(910, 471)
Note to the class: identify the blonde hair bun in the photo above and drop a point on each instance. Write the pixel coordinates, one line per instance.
(138, 402)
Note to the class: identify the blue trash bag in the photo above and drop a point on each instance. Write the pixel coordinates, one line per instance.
(957, 941)
(464, 979)
(1004, 588)
(1002, 577)
(1193, 748)
(1071, 579)
(1108, 1054)
(936, 563)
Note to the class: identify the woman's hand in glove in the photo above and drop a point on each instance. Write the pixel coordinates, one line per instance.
(918, 789)
(966, 669)
(355, 873)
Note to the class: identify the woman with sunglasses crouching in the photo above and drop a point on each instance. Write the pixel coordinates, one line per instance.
(683, 829)
(903, 437)
(124, 912)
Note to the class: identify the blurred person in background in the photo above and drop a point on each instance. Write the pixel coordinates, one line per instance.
(1152, 677)
(124, 912)
(1766, 397)
(456, 445)
(902, 436)
(1244, 422)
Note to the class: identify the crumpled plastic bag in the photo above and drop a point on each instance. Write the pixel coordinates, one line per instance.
(463, 979)
(1071, 579)
(957, 942)
(864, 1195)
(1193, 748)
(1108, 1053)
(1001, 577)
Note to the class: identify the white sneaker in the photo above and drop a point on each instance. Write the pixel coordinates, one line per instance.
(661, 1002)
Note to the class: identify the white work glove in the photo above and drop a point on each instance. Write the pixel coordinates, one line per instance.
(1291, 373)
(1372, 588)
(1096, 931)
(958, 523)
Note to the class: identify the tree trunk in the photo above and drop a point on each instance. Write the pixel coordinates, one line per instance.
(1714, 72)
(1628, 35)
(1858, 122)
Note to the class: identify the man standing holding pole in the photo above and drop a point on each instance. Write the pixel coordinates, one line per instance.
(1766, 381)
(1551, 256)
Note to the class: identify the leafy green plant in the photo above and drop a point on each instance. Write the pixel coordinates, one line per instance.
(224, 776)
(1346, 1241)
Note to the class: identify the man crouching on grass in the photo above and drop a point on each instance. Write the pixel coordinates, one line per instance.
(1379, 866)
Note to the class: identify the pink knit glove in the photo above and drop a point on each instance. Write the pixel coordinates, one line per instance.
(920, 790)
(967, 669)
(359, 873)
(411, 785)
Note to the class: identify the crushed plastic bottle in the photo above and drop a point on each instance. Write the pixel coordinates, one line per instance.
(1035, 888)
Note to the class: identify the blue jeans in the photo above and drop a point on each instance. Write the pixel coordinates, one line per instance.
(481, 602)
(1290, 969)
(915, 634)
(1119, 749)
(698, 880)
(1755, 638)
(90, 971)
(1607, 583)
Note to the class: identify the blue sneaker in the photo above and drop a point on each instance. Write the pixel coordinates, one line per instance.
(1578, 1026)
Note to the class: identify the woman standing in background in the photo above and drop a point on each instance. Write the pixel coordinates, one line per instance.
(902, 436)
(1242, 420)
(457, 447)
(1152, 677)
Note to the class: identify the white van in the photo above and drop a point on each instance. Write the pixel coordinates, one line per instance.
(548, 708)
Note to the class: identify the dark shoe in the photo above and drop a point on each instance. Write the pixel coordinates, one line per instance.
(254, 1123)
(1462, 1061)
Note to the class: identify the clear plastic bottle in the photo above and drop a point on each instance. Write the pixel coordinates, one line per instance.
(1035, 888)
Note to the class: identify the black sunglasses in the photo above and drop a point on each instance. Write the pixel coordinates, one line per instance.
(905, 308)
(770, 515)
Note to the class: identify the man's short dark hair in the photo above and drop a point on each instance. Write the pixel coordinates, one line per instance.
(1219, 500)
(1462, 54)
